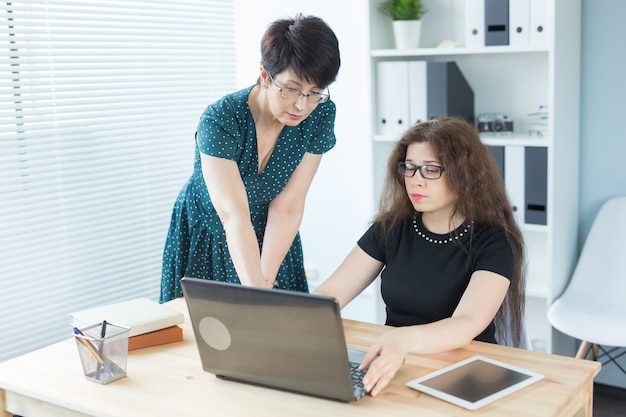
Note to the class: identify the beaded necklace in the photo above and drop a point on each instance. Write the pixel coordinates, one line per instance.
(436, 241)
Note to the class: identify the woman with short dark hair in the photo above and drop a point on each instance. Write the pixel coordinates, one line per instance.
(257, 151)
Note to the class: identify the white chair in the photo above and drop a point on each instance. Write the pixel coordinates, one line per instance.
(593, 306)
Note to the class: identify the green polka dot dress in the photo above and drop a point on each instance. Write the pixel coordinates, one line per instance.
(196, 242)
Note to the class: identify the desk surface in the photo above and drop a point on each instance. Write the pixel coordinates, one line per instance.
(168, 380)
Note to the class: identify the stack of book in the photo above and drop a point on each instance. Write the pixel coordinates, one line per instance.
(150, 323)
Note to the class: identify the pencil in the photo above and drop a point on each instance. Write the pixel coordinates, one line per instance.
(88, 345)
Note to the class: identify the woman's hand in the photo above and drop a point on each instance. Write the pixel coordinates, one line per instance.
(384, 359)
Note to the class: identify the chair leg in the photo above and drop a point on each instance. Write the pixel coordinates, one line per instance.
(583, 349)
(588, 350)
(594, 352)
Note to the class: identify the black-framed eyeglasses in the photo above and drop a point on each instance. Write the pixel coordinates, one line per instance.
(429, 172)
(293, 94)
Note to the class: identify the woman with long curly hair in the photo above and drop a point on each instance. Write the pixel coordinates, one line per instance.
(446, 245)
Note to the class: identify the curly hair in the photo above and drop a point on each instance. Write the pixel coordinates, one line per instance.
(472, 174)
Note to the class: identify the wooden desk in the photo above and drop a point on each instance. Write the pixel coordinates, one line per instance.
(169, 381)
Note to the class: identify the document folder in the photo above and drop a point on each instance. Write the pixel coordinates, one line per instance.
(536, 185)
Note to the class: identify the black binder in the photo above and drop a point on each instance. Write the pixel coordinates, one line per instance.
(449, 93)
(496, 22)
(536, 185)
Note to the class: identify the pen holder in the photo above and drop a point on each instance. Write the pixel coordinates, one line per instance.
(103, 350)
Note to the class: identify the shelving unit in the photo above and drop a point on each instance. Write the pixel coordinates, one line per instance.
(515, 80)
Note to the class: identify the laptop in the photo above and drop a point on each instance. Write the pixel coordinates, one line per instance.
(279, 339)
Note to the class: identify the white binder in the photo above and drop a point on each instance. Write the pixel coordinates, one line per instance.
(392, 89)
(519, 22)
(418, 87)
(539, 26)
(474, 23)
(514, 157)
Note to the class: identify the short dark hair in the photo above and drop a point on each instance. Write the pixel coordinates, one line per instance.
(304, 44)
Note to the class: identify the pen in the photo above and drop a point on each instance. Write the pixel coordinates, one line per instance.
(88, 345)
(103, 332)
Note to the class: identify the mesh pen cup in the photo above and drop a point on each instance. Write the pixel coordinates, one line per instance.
(103, 351)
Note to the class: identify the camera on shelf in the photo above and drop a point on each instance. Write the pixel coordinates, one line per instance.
(499, 123)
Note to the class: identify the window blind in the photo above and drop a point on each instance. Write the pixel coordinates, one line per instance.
(99, 104)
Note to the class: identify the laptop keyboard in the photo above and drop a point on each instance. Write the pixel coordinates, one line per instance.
(357, 375)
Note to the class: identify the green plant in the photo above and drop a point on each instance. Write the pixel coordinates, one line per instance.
(403, 9)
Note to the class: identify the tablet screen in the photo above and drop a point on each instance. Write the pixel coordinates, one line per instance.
(475, 382)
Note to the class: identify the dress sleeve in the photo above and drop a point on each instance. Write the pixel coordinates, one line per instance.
(218, 132)
(324, 134)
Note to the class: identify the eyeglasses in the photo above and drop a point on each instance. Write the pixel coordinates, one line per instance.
(429, 172)
(293, 94)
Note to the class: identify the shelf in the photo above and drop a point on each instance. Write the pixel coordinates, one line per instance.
(514, 140)
(537, 228)
(426, 52)
(514, 80)
(537, 279)
(536, 289)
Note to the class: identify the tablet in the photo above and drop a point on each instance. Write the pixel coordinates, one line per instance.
(475, 382)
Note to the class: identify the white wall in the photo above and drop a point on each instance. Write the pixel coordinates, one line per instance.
(340, 202)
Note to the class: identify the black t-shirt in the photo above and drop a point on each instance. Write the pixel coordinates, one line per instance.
(425, 274)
